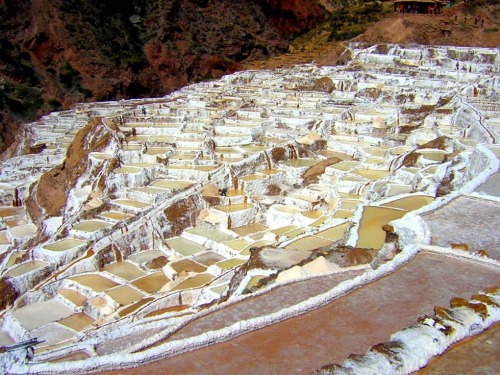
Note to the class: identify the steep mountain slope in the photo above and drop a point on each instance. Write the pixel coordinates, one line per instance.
(55, 53)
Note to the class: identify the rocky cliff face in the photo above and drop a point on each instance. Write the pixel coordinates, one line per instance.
(58, 52)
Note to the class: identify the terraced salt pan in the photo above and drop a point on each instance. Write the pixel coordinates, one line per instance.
(38, 314)
(184, 247)
(116, 215)
(171, 184)
(145, 256)
(208, 258)
(308, 243)
(125, 270)
(187, 265)
(92, 226)
(26, 267)
(77, 322)
(214, 235)
(125, 294)
(5, 339)
(74, 296)
(64, 245)
(151, 283)
(196, 281)
(94, 281)
(131, 203)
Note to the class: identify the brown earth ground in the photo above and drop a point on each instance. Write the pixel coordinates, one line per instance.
(350, 324)
(476, 355)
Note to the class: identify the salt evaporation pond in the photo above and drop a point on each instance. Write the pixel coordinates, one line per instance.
(92, 225)
(64, 245)
(234, 207)
(96, 282)
(77, 322)
(74, 296)
(308, 243)
(371, 235)
(38, 314)
(151, 283)
(125, 270)
(208, 258)
(145, 256)
(125, 294)
(116, 215)
(184, 247)
(196, 281)
(26, 267)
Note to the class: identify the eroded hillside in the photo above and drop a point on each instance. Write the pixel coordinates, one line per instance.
(56, 53)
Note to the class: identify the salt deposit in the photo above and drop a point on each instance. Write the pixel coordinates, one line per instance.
(248, 178)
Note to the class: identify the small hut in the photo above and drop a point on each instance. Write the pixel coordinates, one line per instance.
(418, 6)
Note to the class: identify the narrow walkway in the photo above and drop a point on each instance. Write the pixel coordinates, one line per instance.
(351, 324)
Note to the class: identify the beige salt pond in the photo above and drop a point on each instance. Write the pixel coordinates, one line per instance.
(13, 257)
(230, 263)
(145, 256)
(125, 294)
(345, 165)
(196, 281)
(23, 231)
(77, 322)
(64, 245)
(269, 172)
(74, 296)
(283, 230)
(134, 307)
(248, 229)
(7, 211)
(335, 233)
(5, 339)
(92, 225)
(184, 247)
(26, 267)
(410, 203)
(295, 232)
(95, 282)
(167, 310)
(3, 238)
(234, 207)
(131, 203)
(313, 214)
(125, 270)
(256, 244)
(371, 174)
(343, 214)
(214, 235)
(301, 162)
(370, 232)
(101, 156)
(128, 170)
(308, 243)
(375, 151)
(171, 184)
(237, 244)
(349, 204)
(116, 215)
(151, 283)
(208, 258)
(187, 265)
(252, 177)
(38, 314)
